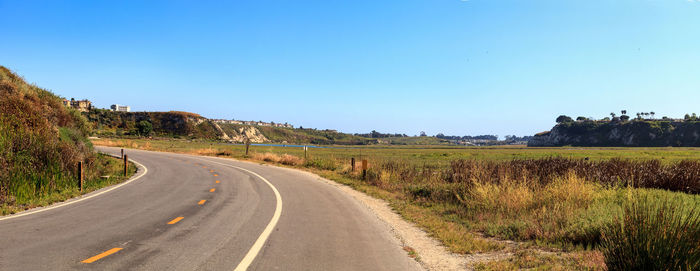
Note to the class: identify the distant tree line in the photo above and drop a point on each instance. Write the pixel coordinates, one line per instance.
(641, 116)
(481, 137)
(375, 134)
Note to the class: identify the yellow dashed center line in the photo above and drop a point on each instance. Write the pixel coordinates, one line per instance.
(175, 220)
(216, 175)
(202, 202)
(218, 181)
(101, 255)
(212, 190)
(211, 170)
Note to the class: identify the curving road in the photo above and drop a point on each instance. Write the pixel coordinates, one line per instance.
(185, 212)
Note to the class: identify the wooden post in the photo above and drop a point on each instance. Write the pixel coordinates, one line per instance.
(122, 157)
(247, 145)
(80, 174)
(305, 148)
(126, 164)
(352, 163)
(364, 169)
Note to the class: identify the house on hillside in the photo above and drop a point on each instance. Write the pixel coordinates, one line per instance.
(80, 105)
(120, 108)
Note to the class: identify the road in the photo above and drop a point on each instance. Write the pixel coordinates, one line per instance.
(187, 212)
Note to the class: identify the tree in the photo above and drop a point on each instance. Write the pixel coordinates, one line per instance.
(623, 112)
(564, 118)
(612, 115)
(652, 114)
(144, 127)
(624, 118)
(423, 133)
(581, 118)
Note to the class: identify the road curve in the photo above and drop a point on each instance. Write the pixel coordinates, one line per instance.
(202, 213)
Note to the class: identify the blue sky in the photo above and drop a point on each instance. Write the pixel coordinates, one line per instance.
(451, 66)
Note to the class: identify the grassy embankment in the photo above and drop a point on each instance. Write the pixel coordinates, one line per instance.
(563, 211)
(41, 143)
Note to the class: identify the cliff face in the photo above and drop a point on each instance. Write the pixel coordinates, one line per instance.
(629, 134)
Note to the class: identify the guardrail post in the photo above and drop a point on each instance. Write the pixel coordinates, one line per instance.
(352, 163)
(80, 174)
(364, 169)
(126, 164)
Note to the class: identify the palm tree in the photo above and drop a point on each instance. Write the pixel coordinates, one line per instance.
(652, 114)
(623, 112)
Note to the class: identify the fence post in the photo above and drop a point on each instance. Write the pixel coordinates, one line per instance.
(122, 157)
(80, 174)
(364, 169)
(247, 145)
(305, 148)
(126, 164)
(352, 163)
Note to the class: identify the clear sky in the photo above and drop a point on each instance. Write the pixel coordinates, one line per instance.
(452, 66)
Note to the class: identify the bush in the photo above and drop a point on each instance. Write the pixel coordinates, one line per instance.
(654, 235)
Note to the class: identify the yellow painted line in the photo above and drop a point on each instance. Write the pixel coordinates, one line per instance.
(202, 202)
(258, 245)
(101, 255)
(216, 175)
(218, 181)
(175, 220)
(204, 167)
(212, 190)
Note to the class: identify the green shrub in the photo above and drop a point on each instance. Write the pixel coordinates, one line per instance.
(654, 234)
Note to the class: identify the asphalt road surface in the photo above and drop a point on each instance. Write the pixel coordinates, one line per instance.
(185, 212)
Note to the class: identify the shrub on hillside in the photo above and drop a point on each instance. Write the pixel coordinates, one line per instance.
(41, 141)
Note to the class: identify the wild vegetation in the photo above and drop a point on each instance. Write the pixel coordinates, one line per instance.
(622, 131)
(109, 123)
(304, 135)
(561, 206)
(41, 143)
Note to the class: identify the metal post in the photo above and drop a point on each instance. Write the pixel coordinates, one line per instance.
(80, 174)
(305, 148)
(126, 164)
(352, 163)
(364, 169)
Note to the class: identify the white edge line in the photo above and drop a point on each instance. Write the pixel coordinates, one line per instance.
(51, 207)
(257, 246)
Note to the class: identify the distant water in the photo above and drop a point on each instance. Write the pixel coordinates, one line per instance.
(294, 146)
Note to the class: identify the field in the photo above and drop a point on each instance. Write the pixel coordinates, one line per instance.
(543, 208)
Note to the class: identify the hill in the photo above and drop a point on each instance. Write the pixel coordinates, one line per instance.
(173, 124)
(634, 133)
(41, 141)
(301, 135)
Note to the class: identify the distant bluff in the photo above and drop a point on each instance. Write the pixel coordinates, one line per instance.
(635, 133)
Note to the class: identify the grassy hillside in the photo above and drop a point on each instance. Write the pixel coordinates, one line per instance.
(171, 124)
(304, 136)
(41, 143)
(634, 133)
